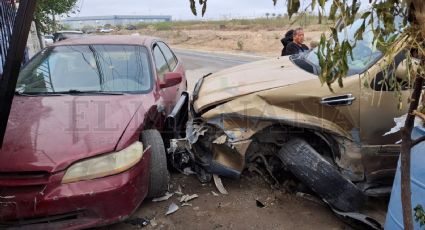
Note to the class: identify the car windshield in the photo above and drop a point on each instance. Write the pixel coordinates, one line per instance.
(87, 68)
(365, 52)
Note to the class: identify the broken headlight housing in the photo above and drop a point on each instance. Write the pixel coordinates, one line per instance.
(105, 165)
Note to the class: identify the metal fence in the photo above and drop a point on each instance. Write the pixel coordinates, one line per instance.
(7, 18)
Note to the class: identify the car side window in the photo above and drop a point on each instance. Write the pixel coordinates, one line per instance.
(385, 80)
(160, 62)
(169, 55)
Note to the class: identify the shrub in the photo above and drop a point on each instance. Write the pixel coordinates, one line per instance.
(163, 26)
(240, 45)
(141, 25)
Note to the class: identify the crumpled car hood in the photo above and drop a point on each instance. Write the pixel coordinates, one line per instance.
(50, 133)
(248, 78)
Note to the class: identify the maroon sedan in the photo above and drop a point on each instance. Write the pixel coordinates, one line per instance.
(83, 146)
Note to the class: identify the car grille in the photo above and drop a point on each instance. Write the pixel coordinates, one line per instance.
(23, 178)
(22, 183)
(7, 191)
(20, 175)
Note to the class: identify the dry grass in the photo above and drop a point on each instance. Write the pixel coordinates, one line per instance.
(258, 36)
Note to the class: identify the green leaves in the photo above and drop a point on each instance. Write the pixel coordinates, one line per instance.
(332, 12)
(204, 6)
(46, 9)
(420, 215)
(359, 33)
(202, 3)
(313, 5)
(193, 7)
(293, 7)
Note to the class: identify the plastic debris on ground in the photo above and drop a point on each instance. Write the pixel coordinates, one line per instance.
(153, 222)
(214, 193)
(141, 222)
(188, 171)
(163, 198)
(259, 204)
(179, 191)
(187, 198)
(172, 209)
(219, 185)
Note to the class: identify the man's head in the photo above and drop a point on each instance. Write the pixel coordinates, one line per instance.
(298, 36)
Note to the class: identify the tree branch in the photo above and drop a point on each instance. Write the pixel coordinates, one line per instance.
(417, 141)
(419, 114)
(406, 193)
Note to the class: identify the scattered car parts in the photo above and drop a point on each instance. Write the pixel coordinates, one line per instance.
(163, 198)
(172, 209)
(187, 198)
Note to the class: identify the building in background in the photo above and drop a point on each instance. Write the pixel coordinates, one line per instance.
(113, 20)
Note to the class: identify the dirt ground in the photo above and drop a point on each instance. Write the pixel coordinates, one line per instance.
(259, 42)
(237, 210)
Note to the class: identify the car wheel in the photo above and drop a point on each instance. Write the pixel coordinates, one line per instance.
(320, 176)
(159, 175)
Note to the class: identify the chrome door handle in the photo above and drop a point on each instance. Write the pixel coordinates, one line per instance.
(340, 100)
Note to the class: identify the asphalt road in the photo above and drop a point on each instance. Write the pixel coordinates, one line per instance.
(198, 64)
(194, 60)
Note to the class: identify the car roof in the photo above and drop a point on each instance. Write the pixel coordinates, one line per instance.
(108, 40)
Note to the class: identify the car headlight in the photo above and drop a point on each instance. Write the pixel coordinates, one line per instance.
(105, 165)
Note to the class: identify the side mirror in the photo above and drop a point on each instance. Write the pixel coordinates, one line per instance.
(171, 79)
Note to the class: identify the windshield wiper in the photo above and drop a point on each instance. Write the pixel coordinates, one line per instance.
(76, 91)
(35, 94)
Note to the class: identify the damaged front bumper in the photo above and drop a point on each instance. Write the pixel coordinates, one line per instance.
(76, 205)
(228, 139)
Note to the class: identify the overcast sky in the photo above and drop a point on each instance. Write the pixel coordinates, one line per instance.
(180, 10)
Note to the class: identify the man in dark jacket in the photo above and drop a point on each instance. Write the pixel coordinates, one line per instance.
(297, 45)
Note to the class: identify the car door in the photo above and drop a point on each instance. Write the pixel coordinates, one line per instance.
(380, 100)
(172, 93)
(378, 108)
(175, 66)
(165, 61)
(161, 67)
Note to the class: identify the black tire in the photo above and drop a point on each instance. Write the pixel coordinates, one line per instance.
(159, 176)
(320, 176)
